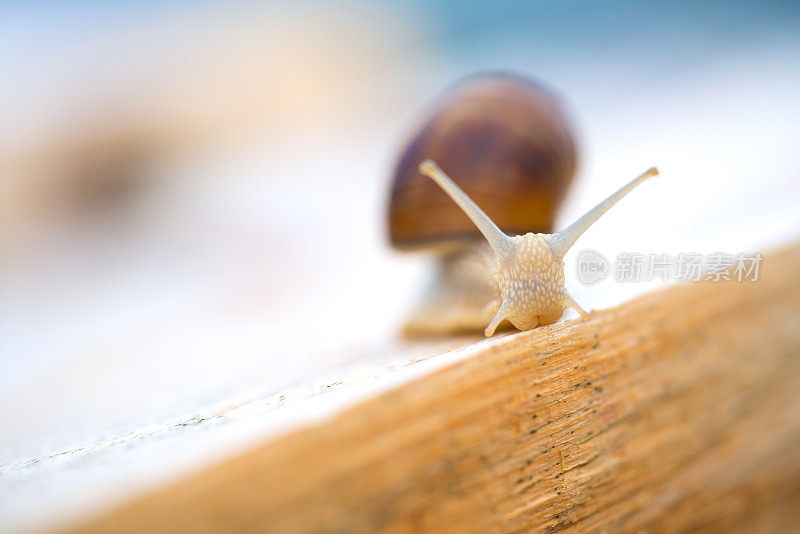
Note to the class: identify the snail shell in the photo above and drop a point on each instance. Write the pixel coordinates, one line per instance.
(507, 143)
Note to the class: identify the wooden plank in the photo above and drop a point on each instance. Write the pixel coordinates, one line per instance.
(679, 410)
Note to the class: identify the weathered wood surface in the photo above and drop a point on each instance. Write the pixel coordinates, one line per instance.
(679, 410)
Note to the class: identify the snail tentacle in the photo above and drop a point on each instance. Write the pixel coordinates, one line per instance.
(500, 242)
(570, 302)
(496, 320)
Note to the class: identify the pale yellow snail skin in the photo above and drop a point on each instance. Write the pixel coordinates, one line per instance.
(529, 270)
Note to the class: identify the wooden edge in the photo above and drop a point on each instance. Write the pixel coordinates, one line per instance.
(678, 410)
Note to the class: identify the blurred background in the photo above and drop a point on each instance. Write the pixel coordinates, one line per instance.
(193, 194)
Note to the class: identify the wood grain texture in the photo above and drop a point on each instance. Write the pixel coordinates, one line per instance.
(677, 411)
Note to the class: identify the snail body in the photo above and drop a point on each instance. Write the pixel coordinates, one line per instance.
(509, 145)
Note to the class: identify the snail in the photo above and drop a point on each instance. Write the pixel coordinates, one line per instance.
(508, 144)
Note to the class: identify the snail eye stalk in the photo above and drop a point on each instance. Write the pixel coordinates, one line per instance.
(500, 242)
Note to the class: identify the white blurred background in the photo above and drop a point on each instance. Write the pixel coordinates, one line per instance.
(192, 194)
